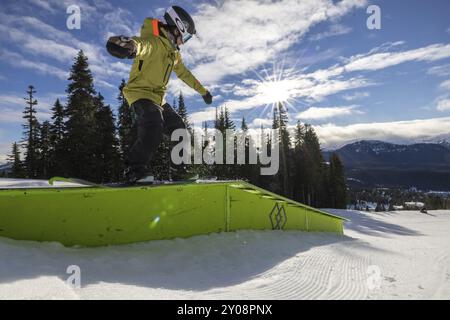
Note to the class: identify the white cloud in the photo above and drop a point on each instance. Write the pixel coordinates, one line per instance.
(41, 67)
(322, 89)
(317, 85)
(12, 106)
(334, 30)
(89, 12)
(272, 26)
(445, 85)
(201, 116)
(379, 61)
(441, 71)
(104, 5)
(50, 49)
(322, 113)
(9, 115)
(378, 58)
(443, 105)
(332, 136)
(44, 4)
(356, 96)
(14, 115)
(119, 21)
(10, 99)
(258, 122)
(176, 85)
(62, 46)
(256, 93)
(104, 84)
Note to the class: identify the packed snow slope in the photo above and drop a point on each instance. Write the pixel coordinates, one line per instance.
(394, 255)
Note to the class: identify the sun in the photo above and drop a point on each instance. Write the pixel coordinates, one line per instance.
(276, 86)
(276, 91)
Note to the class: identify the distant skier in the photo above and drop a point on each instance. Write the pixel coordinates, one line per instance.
(156, 54)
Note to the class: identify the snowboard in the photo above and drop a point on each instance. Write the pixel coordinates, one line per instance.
(86, 183)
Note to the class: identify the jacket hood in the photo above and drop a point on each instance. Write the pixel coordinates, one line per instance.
(150, 28)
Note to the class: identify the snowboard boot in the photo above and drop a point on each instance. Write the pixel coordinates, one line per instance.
(180, 173)
(137, 174)
(147, 179)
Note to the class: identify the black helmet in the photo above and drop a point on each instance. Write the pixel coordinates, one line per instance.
(177, 17)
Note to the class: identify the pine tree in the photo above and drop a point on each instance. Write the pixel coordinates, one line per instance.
(81, 122)
(284, 122)
(57, 128)
(316, 173)
(285, 142)
(219, 122)
(17, 170)
(276, 118)
(182, 111)
(265, 182)
(107, 145)
(244, 126)
(31, 128)
(299, 167)
(216, 119)
(224, 123)
(280, 122)
(310, 173)
(299, 136)
(126, 129)
(45, 148)
(338, 186)
(174, 104)
(180, 170)
(229, 124)
(247, 171)
(57, 133)
(202, 170)
(161, 163)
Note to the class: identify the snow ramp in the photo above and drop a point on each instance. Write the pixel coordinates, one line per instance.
(98, 216)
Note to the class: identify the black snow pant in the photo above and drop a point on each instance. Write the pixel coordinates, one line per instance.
(152, 121)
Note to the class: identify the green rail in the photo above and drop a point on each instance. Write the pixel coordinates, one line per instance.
(96, 216)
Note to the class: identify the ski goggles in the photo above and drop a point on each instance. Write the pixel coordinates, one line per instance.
(186, 37)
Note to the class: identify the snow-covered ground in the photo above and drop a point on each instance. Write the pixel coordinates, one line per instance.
(382, 255)
(31, 184)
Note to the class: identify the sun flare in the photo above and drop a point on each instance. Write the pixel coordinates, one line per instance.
(276, 91)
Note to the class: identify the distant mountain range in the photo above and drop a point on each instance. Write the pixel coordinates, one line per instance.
(5, 167)
(380, 164)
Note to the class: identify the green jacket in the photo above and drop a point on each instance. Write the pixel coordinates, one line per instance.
(156, 58)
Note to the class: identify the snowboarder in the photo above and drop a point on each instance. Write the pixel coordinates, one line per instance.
(156, 54)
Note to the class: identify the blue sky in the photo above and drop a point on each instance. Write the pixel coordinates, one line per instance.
(348, 81)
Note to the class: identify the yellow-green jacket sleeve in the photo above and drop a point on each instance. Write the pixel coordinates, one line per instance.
(187, 77)
(143, 48)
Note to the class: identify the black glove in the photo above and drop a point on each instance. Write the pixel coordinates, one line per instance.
(208, 98)
(121, 47)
